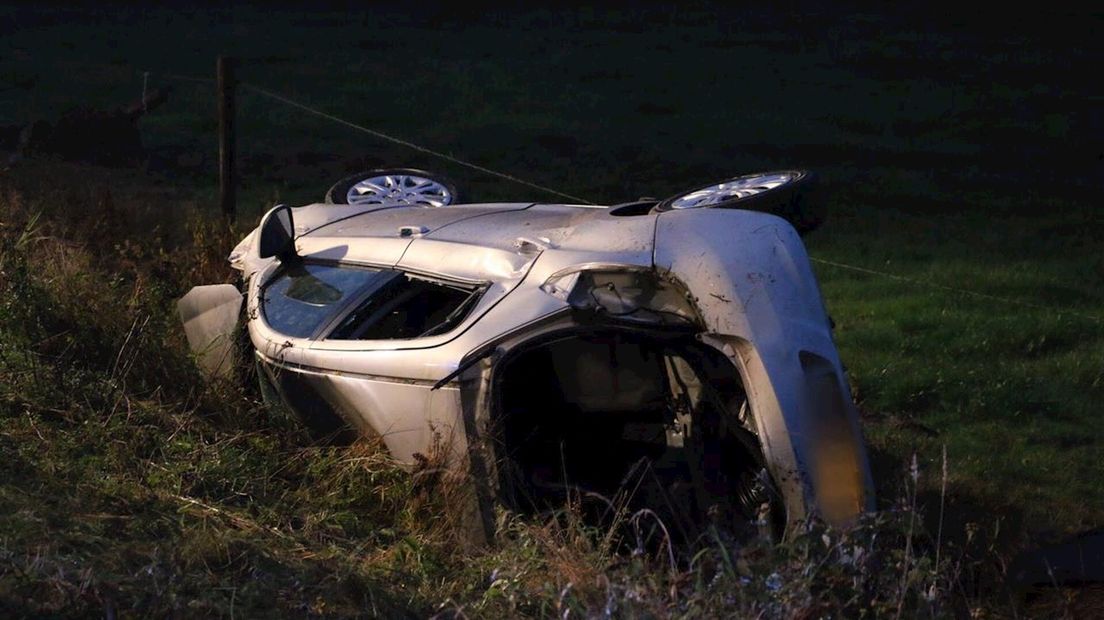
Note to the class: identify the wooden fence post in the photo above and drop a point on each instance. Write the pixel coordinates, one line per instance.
(227, 85)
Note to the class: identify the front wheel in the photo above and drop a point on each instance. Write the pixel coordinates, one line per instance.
(785, 193)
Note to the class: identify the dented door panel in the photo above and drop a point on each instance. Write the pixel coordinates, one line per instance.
(409, 417)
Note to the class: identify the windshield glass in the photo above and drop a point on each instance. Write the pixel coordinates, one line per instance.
(303, 297)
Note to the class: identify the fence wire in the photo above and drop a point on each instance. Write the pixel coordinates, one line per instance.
(408, 144)
(953, 289)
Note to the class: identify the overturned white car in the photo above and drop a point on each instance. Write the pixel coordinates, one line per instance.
(677, 351)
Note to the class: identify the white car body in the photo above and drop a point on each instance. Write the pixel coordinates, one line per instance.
(717, 284)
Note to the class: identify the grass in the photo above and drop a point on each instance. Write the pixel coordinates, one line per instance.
(955, 153)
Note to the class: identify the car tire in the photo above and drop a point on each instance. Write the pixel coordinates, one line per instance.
(785, 193)
(402, 185)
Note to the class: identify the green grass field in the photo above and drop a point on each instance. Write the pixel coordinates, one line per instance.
(955, 153)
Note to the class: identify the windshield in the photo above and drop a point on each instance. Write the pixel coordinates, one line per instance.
(345, 302)
(298, 301)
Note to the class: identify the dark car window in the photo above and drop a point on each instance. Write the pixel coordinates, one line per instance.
(407, 307)
(301, 298)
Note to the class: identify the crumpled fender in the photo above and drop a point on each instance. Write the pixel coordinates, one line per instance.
(750, 278)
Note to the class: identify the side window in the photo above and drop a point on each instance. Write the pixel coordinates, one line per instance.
(408, 307)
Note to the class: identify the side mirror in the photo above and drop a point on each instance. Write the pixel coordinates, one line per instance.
(278, 235)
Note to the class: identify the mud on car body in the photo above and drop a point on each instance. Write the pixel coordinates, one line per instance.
(675, 350)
